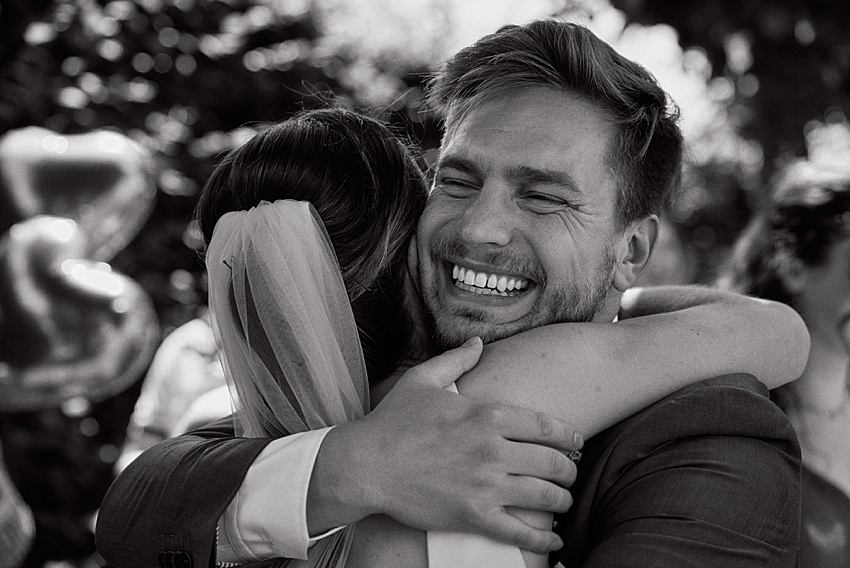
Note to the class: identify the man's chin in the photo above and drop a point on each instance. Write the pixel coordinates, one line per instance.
(454, 331)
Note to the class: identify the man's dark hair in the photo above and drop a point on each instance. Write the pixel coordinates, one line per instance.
(646, 154)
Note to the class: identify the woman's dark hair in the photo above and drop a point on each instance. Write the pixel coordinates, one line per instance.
(809, 211)
(369, 189)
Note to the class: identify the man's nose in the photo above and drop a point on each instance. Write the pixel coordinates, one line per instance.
(486, 219)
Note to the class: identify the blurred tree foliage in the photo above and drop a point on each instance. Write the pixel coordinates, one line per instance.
(780, 66)
(188, 79)
(181, 78)
(787, 61)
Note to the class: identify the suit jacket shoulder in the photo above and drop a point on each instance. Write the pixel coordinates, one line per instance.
(709, 476)
(165, 506)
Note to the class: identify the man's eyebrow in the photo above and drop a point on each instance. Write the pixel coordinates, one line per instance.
(529, 175)
(458, 163)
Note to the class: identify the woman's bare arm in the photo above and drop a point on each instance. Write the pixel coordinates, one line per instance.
(597, 374)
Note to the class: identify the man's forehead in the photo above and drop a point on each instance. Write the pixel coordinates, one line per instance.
(537, 131)
(519, 174)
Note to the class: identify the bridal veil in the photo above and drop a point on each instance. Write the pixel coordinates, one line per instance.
(287, 336)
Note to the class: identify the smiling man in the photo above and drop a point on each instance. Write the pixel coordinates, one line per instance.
(557, 157)
(521, 226)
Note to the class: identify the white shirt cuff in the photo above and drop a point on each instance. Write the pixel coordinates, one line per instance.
(268, 516)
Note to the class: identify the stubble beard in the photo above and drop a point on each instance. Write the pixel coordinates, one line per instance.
(572, 301)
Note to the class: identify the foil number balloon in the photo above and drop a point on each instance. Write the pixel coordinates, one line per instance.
(70, 326)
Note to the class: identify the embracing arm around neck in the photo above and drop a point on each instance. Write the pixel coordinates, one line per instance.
(596, 374)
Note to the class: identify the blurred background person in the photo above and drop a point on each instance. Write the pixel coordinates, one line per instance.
(184, 370)
(797, 250)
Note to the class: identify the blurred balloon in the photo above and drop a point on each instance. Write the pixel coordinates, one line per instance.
(71, 326)
(102, 180)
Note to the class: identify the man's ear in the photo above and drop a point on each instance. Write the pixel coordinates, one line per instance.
(634, 248)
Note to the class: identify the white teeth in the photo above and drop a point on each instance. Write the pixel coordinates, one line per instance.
(488, 282)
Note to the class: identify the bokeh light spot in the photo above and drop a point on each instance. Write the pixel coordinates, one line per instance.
(38, 33)
(110, 49)
(138, 90)
(804, 32)
(188, 43)
(254, 60)
(89, 426)
(120, 10)
(108, 453)
(72, 97)
(168, 37)
(75, 407)
(142, 62)
(193, 237)
(73, 66)
(174, 182)
(721, 89)
(182, 279)
(185, 64)
(739, 55)
(63, 229)
(108, 27)
(162, 63)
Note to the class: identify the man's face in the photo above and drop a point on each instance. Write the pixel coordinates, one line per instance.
(519, 230)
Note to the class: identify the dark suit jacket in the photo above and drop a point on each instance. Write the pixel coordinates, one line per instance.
(707, 477)
(163, 509)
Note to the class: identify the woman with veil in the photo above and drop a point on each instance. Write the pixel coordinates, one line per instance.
(309, 225)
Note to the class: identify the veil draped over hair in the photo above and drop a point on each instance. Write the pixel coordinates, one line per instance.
(287, 336)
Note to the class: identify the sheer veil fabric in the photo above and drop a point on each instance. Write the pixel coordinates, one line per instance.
(287, 336)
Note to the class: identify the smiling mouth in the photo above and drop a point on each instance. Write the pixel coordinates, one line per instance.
(488, 284)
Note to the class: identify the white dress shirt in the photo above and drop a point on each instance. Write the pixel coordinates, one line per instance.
(268, 516)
